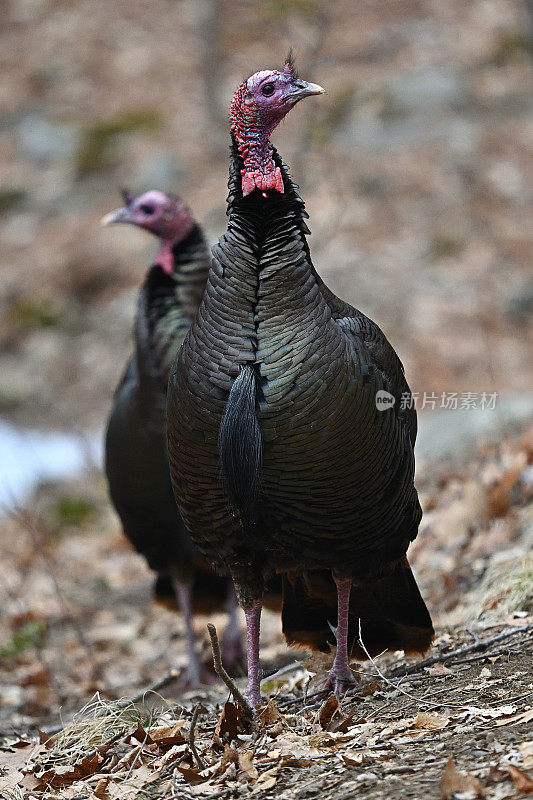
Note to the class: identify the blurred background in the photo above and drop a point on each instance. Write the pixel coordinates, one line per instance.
(417, 173)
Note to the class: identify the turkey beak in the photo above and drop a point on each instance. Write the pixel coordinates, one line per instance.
(120, 215)
(305, 89)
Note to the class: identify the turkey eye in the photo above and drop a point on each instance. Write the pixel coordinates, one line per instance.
(268, 89)
(146, 209)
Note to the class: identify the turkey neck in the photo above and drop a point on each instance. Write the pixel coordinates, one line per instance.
(264, 252)
(167, 305)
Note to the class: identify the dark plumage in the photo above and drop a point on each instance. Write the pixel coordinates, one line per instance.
(136, 459)
(336, 505)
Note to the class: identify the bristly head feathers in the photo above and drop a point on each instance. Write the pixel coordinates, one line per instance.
(127, 196)
(290, 65)
(258, 106)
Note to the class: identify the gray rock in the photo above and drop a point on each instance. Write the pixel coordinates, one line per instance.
(44, 141)
(445, 434)
(428, 88)
(375, 134)
(410, 108)
(161, 170)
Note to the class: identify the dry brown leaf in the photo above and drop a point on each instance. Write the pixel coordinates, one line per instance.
(453, 782)
(208, 788)
(231, 722)
(128, 789)
(191, 774)
(176, 752)
(490, 713)
(438, 669)
(14, 761)
(100, 788)
(341, 723)
(229, 756)
(61, 775)
(499, 499)
(370, 688)
(143, 736)
(524, 716)
(37, 676)
(268, 783)
(295, 748)
(354, 759)
(430, 722)
(267, 780)
(522, 781)
(496, 775)
(276, 730)
(30, 782)
(327, 711)
(270, 714)
(526, 751)
(246, 764)
(166, 736)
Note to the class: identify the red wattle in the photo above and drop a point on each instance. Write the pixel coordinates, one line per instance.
(256, 179)
(259, 171)
(165, 258)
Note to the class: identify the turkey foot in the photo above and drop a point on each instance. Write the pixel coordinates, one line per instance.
(340, 680)
(341, 677)
(195, 673)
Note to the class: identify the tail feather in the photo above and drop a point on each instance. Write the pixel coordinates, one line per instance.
(240, 444)
(392, 612)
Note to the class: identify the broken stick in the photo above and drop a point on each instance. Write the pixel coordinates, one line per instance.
(223, 675)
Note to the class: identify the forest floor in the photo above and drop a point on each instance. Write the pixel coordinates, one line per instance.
(80, 633)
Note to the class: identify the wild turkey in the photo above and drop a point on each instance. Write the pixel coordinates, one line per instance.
(275, 390)
(136, 459)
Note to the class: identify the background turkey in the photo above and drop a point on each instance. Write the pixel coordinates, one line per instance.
(275, 387)
(135, 454)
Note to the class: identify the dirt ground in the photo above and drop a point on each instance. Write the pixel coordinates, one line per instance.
(79, 627)
(452, 729)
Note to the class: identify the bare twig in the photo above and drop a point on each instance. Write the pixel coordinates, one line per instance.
(474, 635)
(483, 644)
(190, 740)
(280, 672)
(223, 675)
(381, 675)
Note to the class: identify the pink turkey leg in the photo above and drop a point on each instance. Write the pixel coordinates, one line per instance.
(253, 621)
(341, 677)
